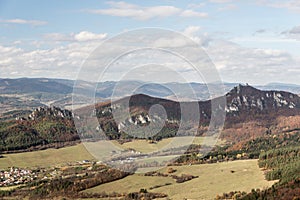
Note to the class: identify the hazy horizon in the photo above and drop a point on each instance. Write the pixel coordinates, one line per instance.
(147, 82)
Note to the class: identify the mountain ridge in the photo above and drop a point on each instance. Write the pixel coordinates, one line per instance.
(250, 113)
(244, 104)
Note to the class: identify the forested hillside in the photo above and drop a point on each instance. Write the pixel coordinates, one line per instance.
(44, 126)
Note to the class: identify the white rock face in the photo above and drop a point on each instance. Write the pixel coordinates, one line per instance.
(148, 118)
(121, 126)
(173, 121)
(279, 95)
(232, 108)
(98, 128)
(292, 105)
(260, 104)
(142, 119)
(279, 99)
(260, 100)
(130, 120)
(253, 103)
(245, 99)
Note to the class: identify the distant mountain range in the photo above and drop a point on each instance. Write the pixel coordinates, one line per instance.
(28, 93)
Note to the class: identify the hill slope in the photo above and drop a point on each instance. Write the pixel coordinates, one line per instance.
(245, 104)
(42, 127)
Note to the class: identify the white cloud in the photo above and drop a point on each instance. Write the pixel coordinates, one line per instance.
(190, 31)
(292, 5)
(23, 21)
(59, 61)
(234, 62)
(17, 42)
(228, 7)
(193, 32)
(121, 4)
(196, 5)
(220, 1)
(87, 36)
(256, 66)
(58, 37)
(82, 36)
(191, 13)
(169, 42)
(123, 9)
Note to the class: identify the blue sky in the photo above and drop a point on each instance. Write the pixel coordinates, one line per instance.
(255, 41)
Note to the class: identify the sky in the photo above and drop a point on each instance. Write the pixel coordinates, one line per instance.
(247, 41)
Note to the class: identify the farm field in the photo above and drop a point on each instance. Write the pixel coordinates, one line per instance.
(213, 179)
(145, 147)
(100, 150)
(45, 158)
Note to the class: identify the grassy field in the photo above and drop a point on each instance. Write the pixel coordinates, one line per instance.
(146, 147)
(213, 179)
(45, 158)
(100, 150)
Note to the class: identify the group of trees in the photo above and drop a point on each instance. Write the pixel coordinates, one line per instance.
(22, 134)
(250, 149)
(282, 164)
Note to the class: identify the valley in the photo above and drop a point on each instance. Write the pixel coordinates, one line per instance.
(213, 176)
(212, 179)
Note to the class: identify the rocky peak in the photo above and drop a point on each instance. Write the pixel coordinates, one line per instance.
(243, 90)
(245, 97)
(52, 112)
